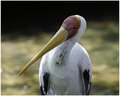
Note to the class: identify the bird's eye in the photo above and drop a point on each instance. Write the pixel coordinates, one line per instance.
(74, 27)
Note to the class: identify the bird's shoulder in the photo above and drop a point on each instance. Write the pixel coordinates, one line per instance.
(79, 48)
(82, 56)
(79, 52)
(43, 63)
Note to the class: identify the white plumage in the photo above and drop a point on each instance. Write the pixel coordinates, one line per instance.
(66, 69)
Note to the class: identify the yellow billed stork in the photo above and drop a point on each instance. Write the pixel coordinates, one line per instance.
(65, 68)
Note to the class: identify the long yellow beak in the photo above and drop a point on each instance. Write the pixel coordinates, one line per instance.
(59, 37)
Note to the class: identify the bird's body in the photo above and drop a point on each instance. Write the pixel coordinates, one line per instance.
(65, 68)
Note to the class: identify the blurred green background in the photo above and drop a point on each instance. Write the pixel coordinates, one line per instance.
(28, 26)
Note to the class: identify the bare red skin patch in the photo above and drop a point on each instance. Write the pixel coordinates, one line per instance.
(71, 24)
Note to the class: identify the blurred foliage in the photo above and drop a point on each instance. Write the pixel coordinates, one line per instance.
(100, 40)
(109, 30)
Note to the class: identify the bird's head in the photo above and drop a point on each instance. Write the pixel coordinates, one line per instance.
(71, 27)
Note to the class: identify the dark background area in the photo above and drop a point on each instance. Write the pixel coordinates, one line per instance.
(31, 17)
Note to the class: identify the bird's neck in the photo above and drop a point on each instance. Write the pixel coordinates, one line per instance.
(63, 50)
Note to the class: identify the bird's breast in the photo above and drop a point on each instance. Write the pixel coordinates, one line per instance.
(65, 80)
(64, 76)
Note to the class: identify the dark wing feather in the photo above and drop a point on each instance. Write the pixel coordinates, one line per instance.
(87, 82)
(44, 88)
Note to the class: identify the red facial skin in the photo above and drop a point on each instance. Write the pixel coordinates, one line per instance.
(71, 24)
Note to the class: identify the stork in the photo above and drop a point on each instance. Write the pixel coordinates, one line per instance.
(65, 67)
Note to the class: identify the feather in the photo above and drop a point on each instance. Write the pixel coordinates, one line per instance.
(45, 87)
(87, 81)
